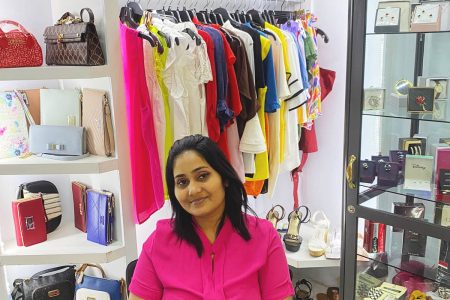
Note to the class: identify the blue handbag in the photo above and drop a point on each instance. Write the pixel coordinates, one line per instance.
(88, 284)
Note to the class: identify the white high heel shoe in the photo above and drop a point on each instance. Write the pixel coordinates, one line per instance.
(318, 242)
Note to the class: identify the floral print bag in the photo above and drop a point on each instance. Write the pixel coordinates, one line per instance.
(13, 125)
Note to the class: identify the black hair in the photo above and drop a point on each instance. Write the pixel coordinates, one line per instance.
(236, 203)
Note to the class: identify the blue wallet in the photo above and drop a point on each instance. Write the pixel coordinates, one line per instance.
(100, 216)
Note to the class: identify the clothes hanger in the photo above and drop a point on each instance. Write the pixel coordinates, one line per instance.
(323, 35)
(184, 15)
(136, 10)
(193, 35)
(226, 16)
(125, 17)
(256, 17)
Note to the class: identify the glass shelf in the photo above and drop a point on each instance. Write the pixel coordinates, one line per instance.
(405, 32)
(394, 202)
(430, 117)
(402, 255)
(366, 188)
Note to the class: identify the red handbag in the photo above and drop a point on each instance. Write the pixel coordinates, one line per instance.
(18, 47)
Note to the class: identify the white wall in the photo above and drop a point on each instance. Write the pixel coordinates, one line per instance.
(323, 174)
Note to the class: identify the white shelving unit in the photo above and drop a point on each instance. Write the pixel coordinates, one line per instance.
(54, 72)
(38, 165)
(60, 249)
(302, 260)
(67, 245)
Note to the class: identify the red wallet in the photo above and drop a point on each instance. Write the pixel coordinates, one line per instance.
(29, 221)
(79, 205)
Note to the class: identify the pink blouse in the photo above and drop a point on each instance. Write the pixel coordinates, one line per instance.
(230, 268)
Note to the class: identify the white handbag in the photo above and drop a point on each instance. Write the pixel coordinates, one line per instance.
(60, 107)
(88, 294)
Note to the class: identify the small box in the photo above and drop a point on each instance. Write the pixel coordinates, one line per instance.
(418, 172)
(445, 141)
(442, 163)
(387, 20)
(405, 12)
(374, 98)
(421, 100)
(426, 17)
(414, 146)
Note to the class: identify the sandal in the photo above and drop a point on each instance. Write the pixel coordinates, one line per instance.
(274, 216)
(318, 242)
(302, 294)
(292, 238)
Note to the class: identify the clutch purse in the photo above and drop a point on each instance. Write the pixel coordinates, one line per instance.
(58, 142)
(89, 287)
(100, 213)
(60, 107)
(98, 123)
(18, 47)
(72, 42)
(13, 125)
(79, 205)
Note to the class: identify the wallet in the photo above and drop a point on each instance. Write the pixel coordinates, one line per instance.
(58, 142)
(29, 221)
(79, 205)
(100, 214)
(97, 122)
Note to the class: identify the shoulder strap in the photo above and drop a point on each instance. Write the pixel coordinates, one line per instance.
(25, 108)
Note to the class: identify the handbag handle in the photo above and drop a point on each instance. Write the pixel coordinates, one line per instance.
(90, 12)
(80, 272)
(38, 274)
(25, 108)
(15, 24)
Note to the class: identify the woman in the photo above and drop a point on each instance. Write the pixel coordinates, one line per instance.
(210, 249)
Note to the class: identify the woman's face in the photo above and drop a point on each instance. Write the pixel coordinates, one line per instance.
(198, 187)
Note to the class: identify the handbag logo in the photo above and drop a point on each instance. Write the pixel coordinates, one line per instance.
(53, 293)
(16, 42)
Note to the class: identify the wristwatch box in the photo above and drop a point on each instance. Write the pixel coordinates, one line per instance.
(418, 172)
(387, 20)
(374, 98)
(421, 100)
(405, 12)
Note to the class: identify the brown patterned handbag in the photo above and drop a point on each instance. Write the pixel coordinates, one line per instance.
(72, 42)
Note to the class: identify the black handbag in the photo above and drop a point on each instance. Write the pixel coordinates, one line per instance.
(55, 286)
(50, 195)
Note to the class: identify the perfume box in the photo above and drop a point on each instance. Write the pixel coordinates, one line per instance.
(442, 174)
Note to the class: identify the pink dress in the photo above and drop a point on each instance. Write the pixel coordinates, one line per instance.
(147, 185)
(231, 268)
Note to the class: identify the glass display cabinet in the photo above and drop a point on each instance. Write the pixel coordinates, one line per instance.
(397, 195)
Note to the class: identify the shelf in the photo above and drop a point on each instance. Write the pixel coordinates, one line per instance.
(404, 115)
(371, 192)
(406, 32)
(302, 260)
(54, 72)
(38, 165)
(65, 245)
